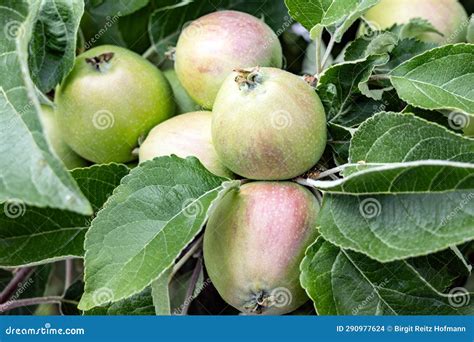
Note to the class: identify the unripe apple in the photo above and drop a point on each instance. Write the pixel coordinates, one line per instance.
(447, 16)
(254, 242)
(110, 99)
(215, 44)
(184, 102)
(53, 134)
(184, 135)
(268, 124)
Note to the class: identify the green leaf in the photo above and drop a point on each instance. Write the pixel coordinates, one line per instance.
(363, 46)
(160, 293)
(415, 28)
(30, 235)
(53, 44)
(334, 15)
(31, 174)
(342, 282)
(167, 21)
(420, 83)
(362, 211)
(395, 137)
(138, 304)
(430, 176)
(151, 217)
(115, 7)
(339, 83)
(405, 50)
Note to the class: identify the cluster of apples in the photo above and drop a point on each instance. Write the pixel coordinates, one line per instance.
(255, 121)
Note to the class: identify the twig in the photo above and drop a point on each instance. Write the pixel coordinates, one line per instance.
(69, 273)
(35, 301)
(21, 275)
(329, 48)
(192, 286)
(186, 256)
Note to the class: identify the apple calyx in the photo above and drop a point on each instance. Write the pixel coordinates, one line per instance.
(248, 79)
(101, 62)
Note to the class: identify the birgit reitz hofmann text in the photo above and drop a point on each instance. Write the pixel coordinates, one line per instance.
(428, 329)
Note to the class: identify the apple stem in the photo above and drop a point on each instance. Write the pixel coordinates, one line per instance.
(100, 62)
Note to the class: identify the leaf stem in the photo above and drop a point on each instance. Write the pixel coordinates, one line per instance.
(317, 43)
(149, 52)
(327, 54)
(20, 276)
(35, 301)
(192, 285)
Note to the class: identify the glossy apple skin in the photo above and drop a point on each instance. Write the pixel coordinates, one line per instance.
(184, 102)
(254, 242)
(103, 113)
(214, 45)
(184, 135)
(275, 131)
(53, 134)
(447, 16)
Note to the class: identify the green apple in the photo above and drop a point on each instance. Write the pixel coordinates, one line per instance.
(211, 47)
(184, 135)
(110, 99)
(268, 124)
(53, 134)
(447, 16)
(254, 242)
